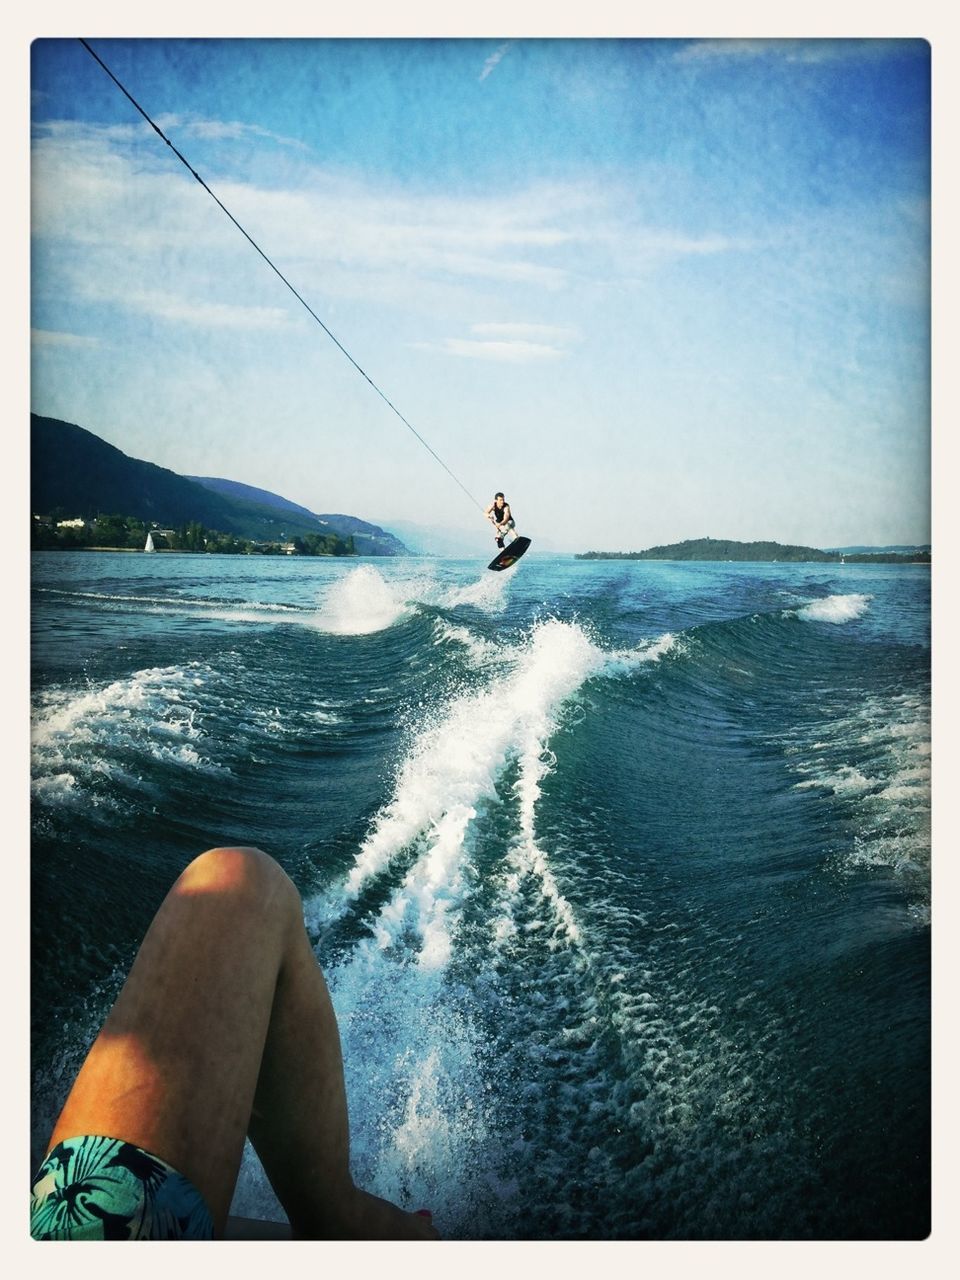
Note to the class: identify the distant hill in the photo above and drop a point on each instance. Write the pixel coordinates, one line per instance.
(437, 540)
(75, 473)
(719, 549)
(369, 539)
(446, 541)
(715, 549)
(899, 550)
(248, 493)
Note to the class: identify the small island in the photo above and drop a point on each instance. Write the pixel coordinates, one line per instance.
(724, 549)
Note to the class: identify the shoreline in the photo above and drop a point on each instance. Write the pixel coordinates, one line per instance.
(684, 560)
(233, 555)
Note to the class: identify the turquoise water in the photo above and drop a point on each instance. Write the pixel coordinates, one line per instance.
(618, 871)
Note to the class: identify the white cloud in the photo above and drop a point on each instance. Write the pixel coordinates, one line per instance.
(77, 132)
(513, 342)
(516, 352)
(211, 315)
(119, 223)
(795, 50)
(52, 338)
(88, 192)
(494, 59)
(174, 126)
(223, 130)
(675, 244)
(524, 332)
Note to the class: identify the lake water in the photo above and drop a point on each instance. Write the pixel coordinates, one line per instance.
(618, 871)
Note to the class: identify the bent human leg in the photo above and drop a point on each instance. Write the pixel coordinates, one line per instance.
(225, 993)
(299, 1124)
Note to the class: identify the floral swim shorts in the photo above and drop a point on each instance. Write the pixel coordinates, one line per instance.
(92, 1188)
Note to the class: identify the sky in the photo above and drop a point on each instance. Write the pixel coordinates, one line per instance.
(650, 289)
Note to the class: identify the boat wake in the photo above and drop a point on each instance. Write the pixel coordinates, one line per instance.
(420, 1058)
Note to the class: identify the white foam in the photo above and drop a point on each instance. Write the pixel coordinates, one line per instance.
(886, 795)
(55, 786)
(157, 689)
(454, 766)
(327, 717)
(622, 661)
(904, 789)
(844, 780)
(526, 861)
(255, 611)
(456, 763)
(153, 712)
(480, 651)
(419, 1101)
(176, 602)
(488, 593)
(835, 609)
(424, 1120)
(359, 603)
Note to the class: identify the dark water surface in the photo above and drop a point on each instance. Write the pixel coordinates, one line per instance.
(619, 871)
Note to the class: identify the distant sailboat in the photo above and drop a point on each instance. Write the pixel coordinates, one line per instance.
(149, 546)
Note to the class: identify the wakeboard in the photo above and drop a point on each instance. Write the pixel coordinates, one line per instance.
(510, 554)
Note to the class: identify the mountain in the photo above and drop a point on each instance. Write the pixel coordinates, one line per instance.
(248, 493)
(369, 539)
(437, 540)
(74, 472)
(446, 541)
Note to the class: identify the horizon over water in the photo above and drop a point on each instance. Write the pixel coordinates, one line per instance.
(618, 871)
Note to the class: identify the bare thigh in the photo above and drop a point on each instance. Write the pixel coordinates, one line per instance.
(175, 1067)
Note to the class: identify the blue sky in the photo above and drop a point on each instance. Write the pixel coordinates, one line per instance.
(651, 289)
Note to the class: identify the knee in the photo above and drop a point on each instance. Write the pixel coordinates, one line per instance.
(244, 874)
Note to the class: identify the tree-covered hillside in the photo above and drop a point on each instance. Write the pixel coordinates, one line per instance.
(75, 473)
(715, 549)
(721, 549)
(369, 538)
